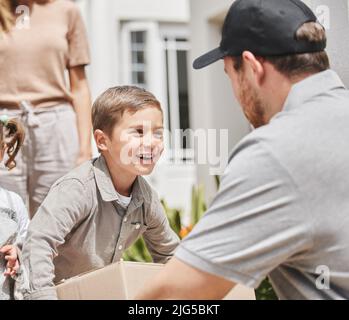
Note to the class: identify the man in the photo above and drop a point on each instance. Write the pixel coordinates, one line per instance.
(282, 208)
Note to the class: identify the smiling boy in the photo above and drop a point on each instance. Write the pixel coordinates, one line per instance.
(99, 209)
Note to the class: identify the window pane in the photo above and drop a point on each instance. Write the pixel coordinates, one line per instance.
(168, 89)
(140, 77)
(183, 94)
(138, 57)
(134, 77)
(138, 37)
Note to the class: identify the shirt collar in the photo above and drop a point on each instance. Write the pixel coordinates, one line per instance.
(106, 187)
(311, 87)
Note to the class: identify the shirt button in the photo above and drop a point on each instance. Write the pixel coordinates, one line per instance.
(125, 220)
(120, 247)
(138, 226)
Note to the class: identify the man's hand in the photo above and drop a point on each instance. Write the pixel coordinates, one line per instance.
(10, 252)
(180, 281)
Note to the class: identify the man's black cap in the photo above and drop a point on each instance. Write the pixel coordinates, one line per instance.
(264, 27)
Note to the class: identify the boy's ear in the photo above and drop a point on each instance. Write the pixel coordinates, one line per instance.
(101, 140)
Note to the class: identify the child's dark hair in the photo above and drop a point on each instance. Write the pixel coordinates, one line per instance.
(12, 138)
(111, 105)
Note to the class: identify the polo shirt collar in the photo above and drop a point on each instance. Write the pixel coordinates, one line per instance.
(311, 87)
(106, 187)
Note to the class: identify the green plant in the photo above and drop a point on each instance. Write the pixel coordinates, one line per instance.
(265, 291)
(138, 251)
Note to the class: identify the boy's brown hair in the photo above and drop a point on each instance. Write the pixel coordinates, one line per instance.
(12, 138)
(110, 106)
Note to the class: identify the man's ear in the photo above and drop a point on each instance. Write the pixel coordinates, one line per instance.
(255, 65)
(101, 140)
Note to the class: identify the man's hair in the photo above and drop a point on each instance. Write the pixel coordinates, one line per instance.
(294, 65)
(110, 106)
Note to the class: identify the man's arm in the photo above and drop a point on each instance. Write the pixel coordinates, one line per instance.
(66, 204)
(180, 281)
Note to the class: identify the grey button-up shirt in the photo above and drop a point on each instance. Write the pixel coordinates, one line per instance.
(81, 226)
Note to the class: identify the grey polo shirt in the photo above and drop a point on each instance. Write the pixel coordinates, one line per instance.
(80, 226)
(283, 205)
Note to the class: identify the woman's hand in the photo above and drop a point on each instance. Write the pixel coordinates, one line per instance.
(10, 252)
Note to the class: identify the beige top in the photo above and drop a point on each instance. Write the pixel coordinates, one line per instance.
(33, 60)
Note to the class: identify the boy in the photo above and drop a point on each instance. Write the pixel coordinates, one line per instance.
(99, 209)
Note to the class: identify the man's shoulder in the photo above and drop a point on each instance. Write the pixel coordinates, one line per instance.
(253, 143)
(268, 150)
(280, 138)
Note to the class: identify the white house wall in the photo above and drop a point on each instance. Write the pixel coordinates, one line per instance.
(213, 105)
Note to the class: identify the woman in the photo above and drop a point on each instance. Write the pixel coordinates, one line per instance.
(36, 52)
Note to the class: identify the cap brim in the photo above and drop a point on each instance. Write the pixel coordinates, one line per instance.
(208, 58)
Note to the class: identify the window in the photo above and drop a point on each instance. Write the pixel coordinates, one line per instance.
(176, 55)
(138, 61)
(154, 56)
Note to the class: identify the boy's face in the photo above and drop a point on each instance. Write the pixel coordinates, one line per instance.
(136, 142)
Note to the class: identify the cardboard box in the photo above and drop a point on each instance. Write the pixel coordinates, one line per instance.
(122, 281)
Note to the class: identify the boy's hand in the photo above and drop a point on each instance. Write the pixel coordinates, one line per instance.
(10, 252)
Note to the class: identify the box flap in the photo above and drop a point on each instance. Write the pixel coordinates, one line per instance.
(137, 274)
(101, 284)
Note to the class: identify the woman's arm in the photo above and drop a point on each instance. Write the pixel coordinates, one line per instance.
(82, 105)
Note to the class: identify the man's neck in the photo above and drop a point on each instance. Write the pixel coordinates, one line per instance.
(122, 181)
(279, 91)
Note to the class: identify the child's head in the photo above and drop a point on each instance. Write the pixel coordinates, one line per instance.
(11, 140)
(128, 128)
